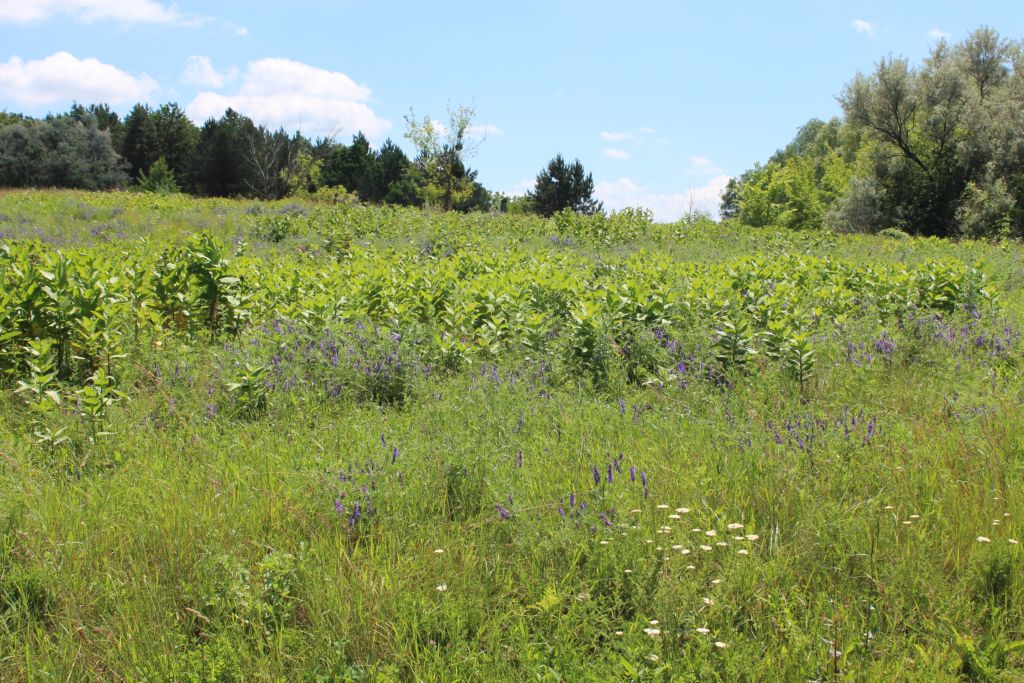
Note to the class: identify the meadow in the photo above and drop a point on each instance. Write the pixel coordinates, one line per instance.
(292, 441)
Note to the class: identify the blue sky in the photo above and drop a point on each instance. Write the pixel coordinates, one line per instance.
(662, 101)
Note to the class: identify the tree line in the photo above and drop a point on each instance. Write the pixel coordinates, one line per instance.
(935, 149)
(161, 150)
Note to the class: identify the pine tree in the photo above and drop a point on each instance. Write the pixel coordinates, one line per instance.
(564, 186)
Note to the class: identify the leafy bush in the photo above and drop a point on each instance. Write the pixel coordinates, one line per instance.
(894, 233)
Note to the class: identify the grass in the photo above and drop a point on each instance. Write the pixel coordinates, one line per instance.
(202, 542)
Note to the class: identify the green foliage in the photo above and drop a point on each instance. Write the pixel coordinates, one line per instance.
(249, 391)
(439, 172)
(61, 151)
(931, 149)
(985, 210)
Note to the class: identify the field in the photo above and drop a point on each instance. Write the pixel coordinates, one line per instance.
(285, 441)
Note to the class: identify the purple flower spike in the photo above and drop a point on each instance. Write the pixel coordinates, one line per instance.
(604, 518)
(519, 459)
(609, 474)
(502, 512)
(383, 441)
(338, 507)
(394, 455)
(597, 475)
(632, 473)
(572, 501)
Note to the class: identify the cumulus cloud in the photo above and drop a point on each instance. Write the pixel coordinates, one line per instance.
(62, 77)
(623, 192)
(862, 26)
(616, 153)
(125, 11)
(199, 71)
(938, 34)
(296, 96)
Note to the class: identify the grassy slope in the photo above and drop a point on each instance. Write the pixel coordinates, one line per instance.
(165, 555)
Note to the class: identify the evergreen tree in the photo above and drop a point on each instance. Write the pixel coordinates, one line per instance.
(221, 168)
(390, 169)
(352, 167)
(564, 186)
(140, 144)
(176, 138)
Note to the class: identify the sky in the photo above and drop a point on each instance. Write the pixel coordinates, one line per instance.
(662, 101)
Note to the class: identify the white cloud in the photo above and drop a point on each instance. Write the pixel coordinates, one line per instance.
(861, 26)
(199, 71)
(296, 96)
(619, 136)
(62, 77)
(522, 187)
(483, 130)
(125, 11)
(616, 153)
(623, 192)
(938, 34)
(703, 166)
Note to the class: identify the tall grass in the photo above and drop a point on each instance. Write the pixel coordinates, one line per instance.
(517, 520)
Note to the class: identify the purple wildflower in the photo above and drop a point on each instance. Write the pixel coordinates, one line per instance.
(394, 455)
(597, 475)
(502, 512)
